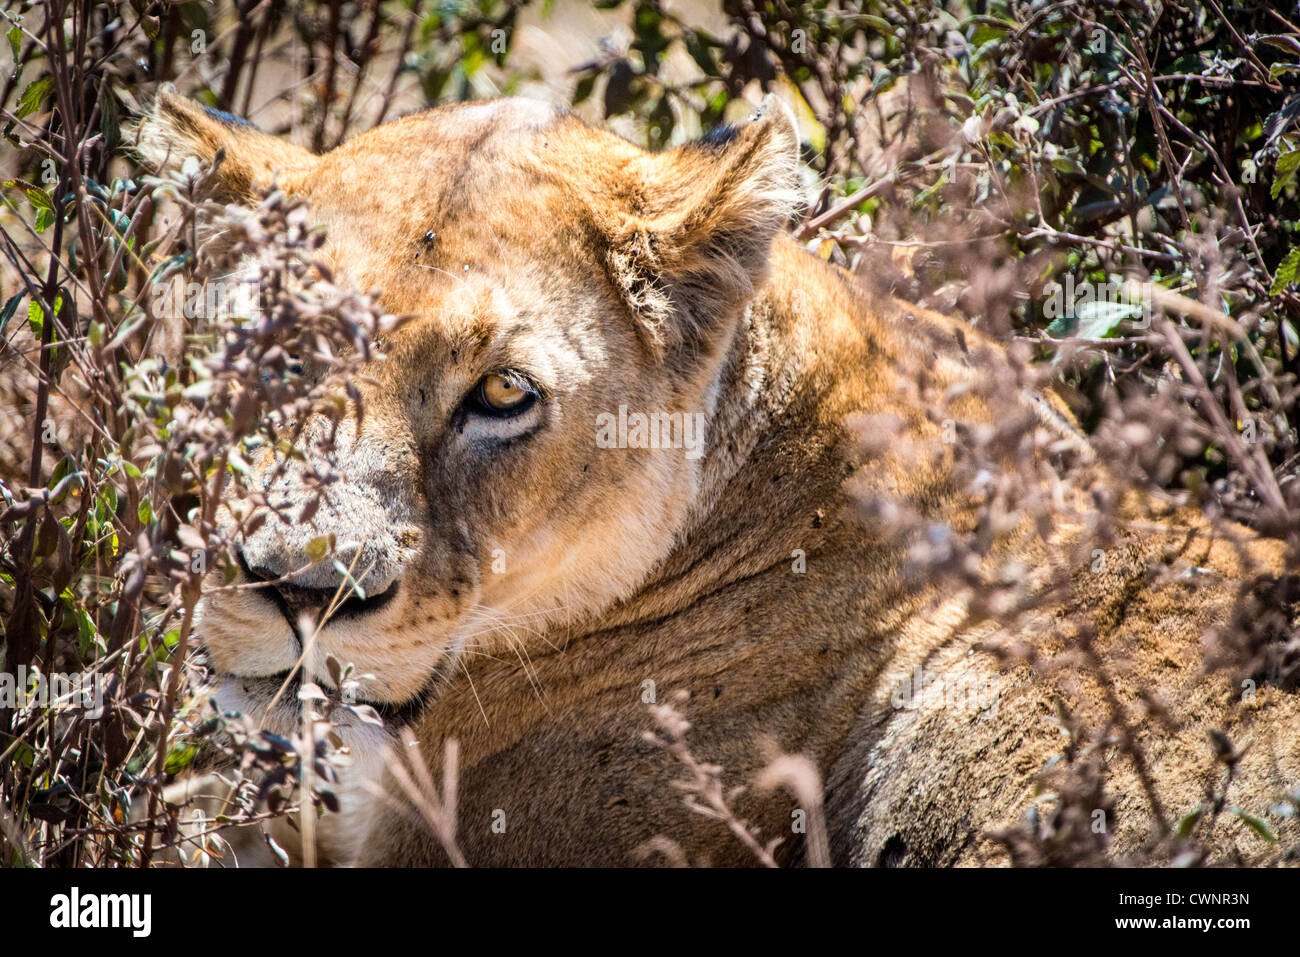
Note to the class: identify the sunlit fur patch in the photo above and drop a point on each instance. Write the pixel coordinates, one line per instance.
(246, 635)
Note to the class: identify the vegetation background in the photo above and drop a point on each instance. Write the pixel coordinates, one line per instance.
(966, 155)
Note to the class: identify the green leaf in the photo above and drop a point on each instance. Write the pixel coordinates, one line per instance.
(9, 308)
(87, 634)
(1286, 272)
(1284, 172)
(24, 755)
(1188, 821)
(15, 40)
(35, 318)
(33, 96)
(1255, 824)
(179, 759)
(1287, 44)
(39, 198)
(879, 24)
(168, 267)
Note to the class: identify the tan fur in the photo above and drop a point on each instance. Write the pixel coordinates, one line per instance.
(663, 283)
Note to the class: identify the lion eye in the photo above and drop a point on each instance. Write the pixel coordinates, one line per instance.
(501, 395)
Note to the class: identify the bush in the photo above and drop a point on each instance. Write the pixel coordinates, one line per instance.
(994, 159)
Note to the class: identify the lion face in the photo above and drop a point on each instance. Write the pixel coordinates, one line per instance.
(530, 445)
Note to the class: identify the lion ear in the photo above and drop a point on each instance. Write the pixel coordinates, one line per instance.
(697, 240)
(245, 162)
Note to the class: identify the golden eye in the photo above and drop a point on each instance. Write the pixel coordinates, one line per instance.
(504, 395)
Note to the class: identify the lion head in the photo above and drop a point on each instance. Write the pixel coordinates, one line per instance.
(566, 292)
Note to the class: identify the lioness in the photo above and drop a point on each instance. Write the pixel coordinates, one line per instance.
(536, 565)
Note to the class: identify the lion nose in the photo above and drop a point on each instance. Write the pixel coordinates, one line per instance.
(317, 604)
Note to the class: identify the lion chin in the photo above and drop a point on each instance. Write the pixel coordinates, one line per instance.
(607, 462)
